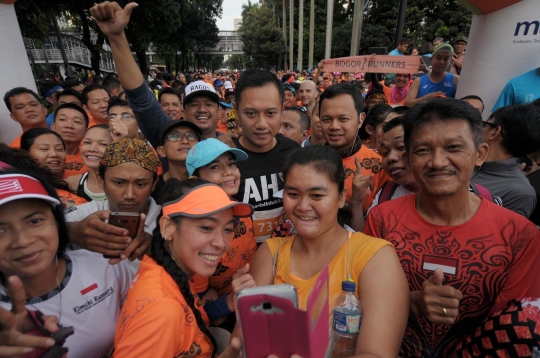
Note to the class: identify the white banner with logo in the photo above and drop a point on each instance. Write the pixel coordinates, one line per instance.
(15, 69)
(502, 45)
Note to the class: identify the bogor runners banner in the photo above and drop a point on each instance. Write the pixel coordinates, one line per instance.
(374, 64)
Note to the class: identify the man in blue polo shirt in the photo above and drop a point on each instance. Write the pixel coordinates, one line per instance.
(520, 90)
(403, 44)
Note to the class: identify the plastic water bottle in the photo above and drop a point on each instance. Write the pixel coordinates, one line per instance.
(346, 320)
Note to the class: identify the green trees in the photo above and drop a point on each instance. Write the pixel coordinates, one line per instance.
(425, 20)
(261, 36)
(169, 26)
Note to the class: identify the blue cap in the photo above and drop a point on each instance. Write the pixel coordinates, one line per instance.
(206, 151)
(347, 286)
(218, 83)
(226, 105)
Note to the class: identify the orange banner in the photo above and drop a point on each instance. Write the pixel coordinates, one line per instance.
(374, 64)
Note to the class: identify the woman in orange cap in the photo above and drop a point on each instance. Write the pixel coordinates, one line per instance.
(162, 317)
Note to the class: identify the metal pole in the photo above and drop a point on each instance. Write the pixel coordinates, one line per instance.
(291, 32)
(401, 21)
(284, 34)
(329, 20)
(357, 26)
(300, 35)
(311, 32)
(60, 43)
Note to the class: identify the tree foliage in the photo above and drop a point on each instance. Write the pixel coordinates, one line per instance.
(261, 37)
(170, 26)
(425, 20)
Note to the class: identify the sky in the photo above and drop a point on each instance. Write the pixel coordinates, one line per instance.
(231, 9)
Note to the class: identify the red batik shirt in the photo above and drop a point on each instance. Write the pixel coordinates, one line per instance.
(491, 259)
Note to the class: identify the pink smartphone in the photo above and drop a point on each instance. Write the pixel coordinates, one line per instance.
(264, 315)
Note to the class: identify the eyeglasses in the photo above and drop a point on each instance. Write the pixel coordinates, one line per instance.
(492, 125)
(123, 116)
(175, 137)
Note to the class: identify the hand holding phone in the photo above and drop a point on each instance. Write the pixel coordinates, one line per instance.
(125, 220)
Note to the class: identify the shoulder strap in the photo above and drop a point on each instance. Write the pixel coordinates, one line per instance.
(482, 192)
(387, 191)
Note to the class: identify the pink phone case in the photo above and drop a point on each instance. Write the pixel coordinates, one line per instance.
(289, 331)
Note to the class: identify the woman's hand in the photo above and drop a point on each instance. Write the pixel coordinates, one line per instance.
(241, 279)
(15, 323)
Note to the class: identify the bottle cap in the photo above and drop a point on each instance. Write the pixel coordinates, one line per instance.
(348, 286)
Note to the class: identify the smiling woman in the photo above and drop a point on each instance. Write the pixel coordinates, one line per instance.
(193, 233)
(79, 288)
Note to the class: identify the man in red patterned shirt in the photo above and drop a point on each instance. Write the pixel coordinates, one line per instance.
(464, 257)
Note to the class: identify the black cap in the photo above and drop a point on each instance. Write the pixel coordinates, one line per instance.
(170, 125)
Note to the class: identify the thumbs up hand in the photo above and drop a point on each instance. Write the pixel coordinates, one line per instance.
(435, 302)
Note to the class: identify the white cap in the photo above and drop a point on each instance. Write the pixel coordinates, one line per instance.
(200, 88)
(227, 84)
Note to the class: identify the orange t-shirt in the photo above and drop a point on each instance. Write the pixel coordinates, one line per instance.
(371, 164)
(156, 320)
(69, 199)
(16, 142)
(222, 128)
(239, 254)
(74, 165)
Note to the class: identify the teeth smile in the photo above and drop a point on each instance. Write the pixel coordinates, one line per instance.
(306, 217)
(210, 257)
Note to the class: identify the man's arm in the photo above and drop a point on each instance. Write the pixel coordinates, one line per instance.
(411, 100)
(112, 20)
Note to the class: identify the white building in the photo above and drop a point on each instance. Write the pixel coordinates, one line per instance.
(237, 23)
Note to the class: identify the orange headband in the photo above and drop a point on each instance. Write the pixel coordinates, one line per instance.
(203, 201)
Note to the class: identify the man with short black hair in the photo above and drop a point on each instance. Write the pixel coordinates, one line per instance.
(511, 132)
(69, 95)
(464, 257)
(295, 124)
(49, 90)
(25, 108)
(475, 101)
(169, 100)
(95, 103)
(71, 122)
(402, 46)
(112, 85)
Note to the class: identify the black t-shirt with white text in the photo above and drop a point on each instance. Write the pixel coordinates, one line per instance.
(260, 180)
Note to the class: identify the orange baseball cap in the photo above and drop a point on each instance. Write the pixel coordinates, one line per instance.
(203, 201)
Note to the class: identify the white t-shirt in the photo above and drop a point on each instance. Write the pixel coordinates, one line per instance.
(79, 213)
(90, 298)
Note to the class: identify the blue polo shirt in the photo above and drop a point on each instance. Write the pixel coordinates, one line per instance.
(520, 90)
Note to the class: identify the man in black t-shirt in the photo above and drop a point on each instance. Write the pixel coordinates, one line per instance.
(259, 103)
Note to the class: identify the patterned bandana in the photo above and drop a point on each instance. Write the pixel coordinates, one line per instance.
(130, 150)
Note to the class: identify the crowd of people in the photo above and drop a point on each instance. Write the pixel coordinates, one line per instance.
(254, 178)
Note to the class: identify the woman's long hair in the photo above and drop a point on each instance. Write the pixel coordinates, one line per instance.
(174, 189)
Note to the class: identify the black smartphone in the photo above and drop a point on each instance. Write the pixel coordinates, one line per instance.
(128, 221)
(528, 163)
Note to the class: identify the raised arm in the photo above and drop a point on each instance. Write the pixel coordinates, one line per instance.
(112, 20)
